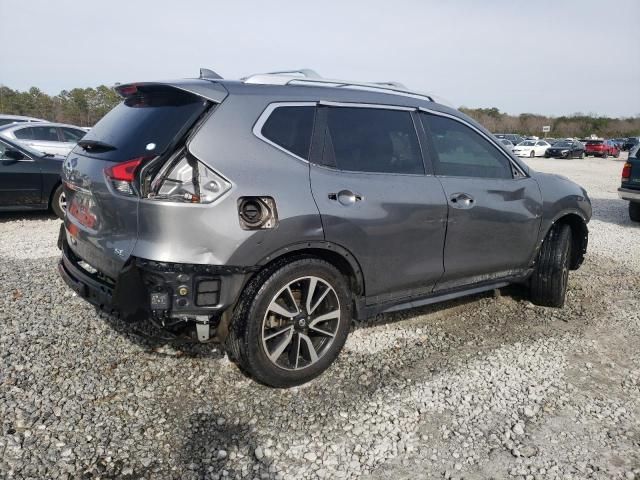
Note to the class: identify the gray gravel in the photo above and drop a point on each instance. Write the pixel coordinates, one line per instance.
(485, 387)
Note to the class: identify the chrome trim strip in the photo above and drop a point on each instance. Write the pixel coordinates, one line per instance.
(264, 116)
(378, 106)
(492, 141)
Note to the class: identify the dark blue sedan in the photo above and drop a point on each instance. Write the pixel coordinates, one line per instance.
(30, 180)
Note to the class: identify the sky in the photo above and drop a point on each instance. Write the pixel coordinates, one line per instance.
(553, 57)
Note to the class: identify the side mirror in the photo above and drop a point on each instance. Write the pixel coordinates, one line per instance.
(12, 154)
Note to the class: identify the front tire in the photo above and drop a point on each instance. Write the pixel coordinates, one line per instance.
(550, 278)
(58, 202)
(634, 211)
(291, 322)
(532, 154)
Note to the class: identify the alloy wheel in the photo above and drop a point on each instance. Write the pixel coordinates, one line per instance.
(300, 323)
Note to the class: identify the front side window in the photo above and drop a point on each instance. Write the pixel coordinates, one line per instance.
(291, 128)
(371, 140)
(462, 152)
(45, 134)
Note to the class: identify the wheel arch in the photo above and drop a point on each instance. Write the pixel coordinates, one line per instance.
(54, 187)
(338, 256)
(579, 234)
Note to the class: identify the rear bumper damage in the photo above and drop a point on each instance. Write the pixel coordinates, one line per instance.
(179, 298)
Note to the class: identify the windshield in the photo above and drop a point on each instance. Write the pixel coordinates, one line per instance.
(594, 142)
(563, 144)
(527, 144)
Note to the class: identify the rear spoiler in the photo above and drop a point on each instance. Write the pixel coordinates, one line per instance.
(203, 88)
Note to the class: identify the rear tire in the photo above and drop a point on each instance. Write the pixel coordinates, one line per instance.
(276, 348)
(605, 155)
(550, 278)
(58, 202)
(634, 211)
(532, 154)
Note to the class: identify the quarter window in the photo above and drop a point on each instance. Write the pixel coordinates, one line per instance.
(371, 140)
(72, 134)
(291, 128)
(462, 152)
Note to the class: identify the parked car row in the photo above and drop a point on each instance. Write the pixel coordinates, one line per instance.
(566, 148)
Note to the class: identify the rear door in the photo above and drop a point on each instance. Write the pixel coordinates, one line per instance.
(102, 213)
(494, 208)
(368, 180)
(46, 139)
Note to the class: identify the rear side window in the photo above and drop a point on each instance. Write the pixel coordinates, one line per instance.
(45, 134)
(462, 152)
(371, 140)
(291, 128)
(24, 133)
(146, 123)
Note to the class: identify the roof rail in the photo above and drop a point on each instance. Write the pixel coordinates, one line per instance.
(305, 76)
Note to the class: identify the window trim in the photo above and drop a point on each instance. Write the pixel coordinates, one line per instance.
(513, 163)
(266, 113)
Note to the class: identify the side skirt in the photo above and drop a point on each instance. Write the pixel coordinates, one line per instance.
(363, 311)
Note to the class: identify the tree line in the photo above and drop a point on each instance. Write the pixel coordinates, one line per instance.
(85, 106)
(80, 106)
(577, 125)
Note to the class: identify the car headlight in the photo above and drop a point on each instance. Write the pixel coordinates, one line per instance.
(564, 151)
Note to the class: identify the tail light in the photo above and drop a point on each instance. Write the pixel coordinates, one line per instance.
(188, 180)
(122, 175)
(626, 171)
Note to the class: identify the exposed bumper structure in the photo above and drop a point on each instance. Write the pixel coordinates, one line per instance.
(170, 294)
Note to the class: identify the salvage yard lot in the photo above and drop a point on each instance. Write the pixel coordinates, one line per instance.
(489, 386)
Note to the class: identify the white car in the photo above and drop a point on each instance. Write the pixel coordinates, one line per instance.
(507, 143)
(53, 138)
(531, 148)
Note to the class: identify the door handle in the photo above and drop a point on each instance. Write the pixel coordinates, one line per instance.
(461, 200)
(345, 197)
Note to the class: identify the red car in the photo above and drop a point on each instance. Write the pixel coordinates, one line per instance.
(602, 148)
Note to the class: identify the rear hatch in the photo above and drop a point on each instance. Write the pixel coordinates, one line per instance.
(101, 174)
(595, 146)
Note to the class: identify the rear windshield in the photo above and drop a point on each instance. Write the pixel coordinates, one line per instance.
(145, 123)
(594, 142)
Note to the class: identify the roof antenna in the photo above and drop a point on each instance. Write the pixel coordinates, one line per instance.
(207, 74)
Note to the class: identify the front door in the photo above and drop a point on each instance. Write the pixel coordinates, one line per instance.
(20, 180)
(494, 208)
(375, 200)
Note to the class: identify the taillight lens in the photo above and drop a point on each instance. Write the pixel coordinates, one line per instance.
(626, 171)
(187, 180)
(122, 175)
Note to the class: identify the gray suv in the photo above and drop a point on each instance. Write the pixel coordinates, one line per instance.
(269, 212)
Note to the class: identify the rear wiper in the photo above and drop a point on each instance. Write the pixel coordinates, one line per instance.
(95, 146)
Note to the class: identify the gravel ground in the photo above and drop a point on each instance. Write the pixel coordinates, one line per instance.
(485, 387)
